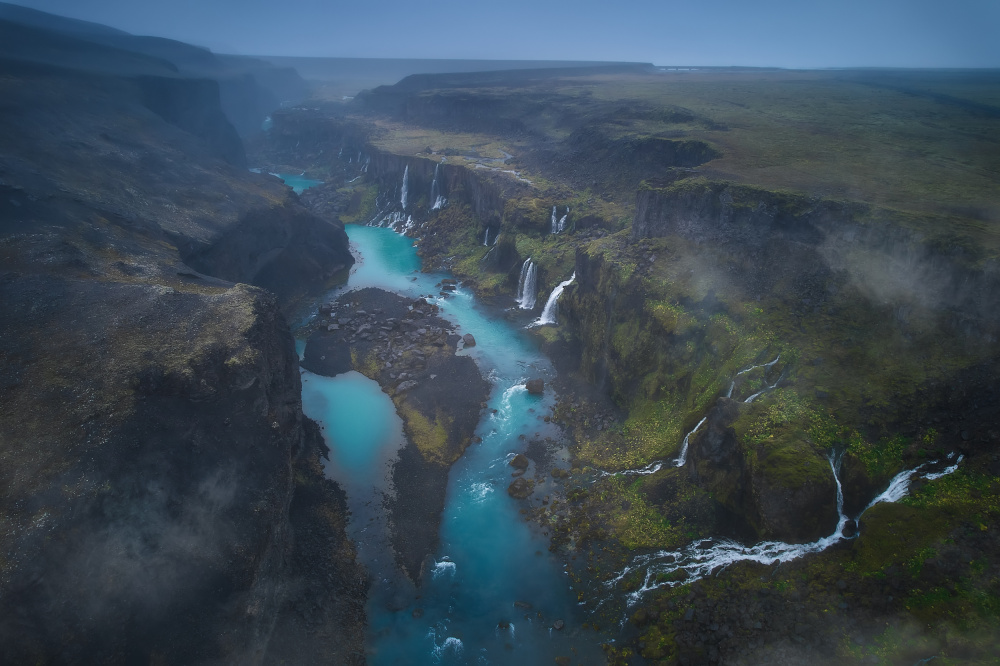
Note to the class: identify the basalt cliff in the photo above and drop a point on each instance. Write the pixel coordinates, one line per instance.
(162, 497)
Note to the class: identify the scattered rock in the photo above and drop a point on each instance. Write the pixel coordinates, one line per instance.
(522, 605)
(469, 340)
(520, 461)
(520, 489)
(535, 386)
(558, 625)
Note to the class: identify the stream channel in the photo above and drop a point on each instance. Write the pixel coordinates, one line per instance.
(473, 605)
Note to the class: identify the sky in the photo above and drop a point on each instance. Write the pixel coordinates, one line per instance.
(765, 33)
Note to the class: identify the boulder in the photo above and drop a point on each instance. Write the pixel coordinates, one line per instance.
(535, 386)
(520, 461)
(468, 340)
(520, 489)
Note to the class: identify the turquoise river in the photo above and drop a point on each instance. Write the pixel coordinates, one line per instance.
(473, 605)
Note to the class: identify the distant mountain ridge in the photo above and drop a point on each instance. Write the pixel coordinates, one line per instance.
(249, 88)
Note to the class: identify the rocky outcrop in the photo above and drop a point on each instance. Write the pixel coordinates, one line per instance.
(410, 351)
(282, 248)
(149, 470)
(794, 501)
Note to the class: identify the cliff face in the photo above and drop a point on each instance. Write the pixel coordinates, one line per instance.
(151, 430)
(193, 106)
(889, 262)
(148, 470)
(877, 328)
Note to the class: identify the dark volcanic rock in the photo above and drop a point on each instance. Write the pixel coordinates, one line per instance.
(150, 412)
(520, 488)
(535, 386)
(520, 461)
(468, 340)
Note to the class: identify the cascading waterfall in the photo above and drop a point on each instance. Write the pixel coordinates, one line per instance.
(395, 220)
(486, 238)
(406, 186)
(562, 221)
(552, 305)
(767, 368)
(555, 222)
(654, 467)
(527, 286)
(682, 458)
(706, 556)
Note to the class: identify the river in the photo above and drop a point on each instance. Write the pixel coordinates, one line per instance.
(495, 591)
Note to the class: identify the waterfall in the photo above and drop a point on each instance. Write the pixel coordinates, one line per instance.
(705, 556)
(434, 184)
(552, 305)
(486, 238)
(406, 186)
(555, 222)
(767, 368)
(561, 227)
(527, 287)
(682, 458)
(437, 200)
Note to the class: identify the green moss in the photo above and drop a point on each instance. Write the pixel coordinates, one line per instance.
(636, 523)
(429, 436)
(880, 458)
(366, 209)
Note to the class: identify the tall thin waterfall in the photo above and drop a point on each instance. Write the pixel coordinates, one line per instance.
(434, 183)
(682, 458)
(555, 221)
(486, 238)
(561, 227)
(527, 285)
(437, 199)
(552, 305)
(406, 186)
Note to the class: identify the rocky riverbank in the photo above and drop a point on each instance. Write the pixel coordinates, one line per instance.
(411, 353)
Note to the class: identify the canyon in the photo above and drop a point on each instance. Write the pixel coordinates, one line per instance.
(679, 367)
